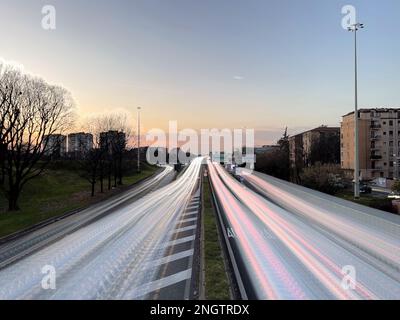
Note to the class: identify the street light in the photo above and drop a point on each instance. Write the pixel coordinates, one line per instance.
(138, 139)
(354, 28)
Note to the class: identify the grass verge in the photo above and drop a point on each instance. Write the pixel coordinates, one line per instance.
(55, 193)
(380, 203)
(216, 281)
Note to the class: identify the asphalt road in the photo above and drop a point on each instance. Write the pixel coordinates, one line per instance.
(143, 248)
(293, 243)
(21, 246)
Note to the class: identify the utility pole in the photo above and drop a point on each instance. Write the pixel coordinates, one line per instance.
(354, 28)
(138, 139)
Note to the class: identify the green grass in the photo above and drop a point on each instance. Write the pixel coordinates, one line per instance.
(54, 193)
(216, 281)
(380, 203)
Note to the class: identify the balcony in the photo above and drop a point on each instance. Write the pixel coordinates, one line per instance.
(374, 138)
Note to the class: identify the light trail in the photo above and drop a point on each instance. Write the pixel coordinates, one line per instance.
(108, 258)
(296, 258)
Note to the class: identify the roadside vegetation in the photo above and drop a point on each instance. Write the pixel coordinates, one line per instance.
(380, 203)
(216, 281)
(58, 190)
(323, 172)
(39, 179)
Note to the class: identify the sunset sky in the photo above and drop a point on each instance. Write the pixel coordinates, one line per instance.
(258, 64)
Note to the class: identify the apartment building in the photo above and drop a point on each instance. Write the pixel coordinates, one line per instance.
(55, 145)
(112, 140)
(379, 133)
(304, 147)
(79, 143)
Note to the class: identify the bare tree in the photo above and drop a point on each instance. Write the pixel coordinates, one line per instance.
(31, 111)
(10, 97)
(111, 135)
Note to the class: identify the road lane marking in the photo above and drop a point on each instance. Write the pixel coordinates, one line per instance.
(184, 229)
(179, 241)
(162, 283)
(187, 220)
(173, 257)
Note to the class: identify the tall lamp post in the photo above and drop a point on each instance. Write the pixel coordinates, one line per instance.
(138, 139)
(354, 28)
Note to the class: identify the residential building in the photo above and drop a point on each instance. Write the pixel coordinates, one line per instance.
(55, 145)
(320, 144)
(296, 151)
(79, 143)
(113, 140)
(379, 133)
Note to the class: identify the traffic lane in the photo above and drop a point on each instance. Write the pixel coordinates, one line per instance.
(323, 258)
(104, 260)
(177, 276)
(374, 231)
(16, 249)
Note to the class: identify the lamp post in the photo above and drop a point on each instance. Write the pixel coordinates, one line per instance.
(138, 139)
(354, 28)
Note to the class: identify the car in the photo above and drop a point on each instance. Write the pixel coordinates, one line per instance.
(365, 189)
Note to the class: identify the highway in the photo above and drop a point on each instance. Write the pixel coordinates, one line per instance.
(24, 244)
(289, 242)
(129, 253)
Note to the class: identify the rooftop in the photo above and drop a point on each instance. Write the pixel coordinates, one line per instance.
(380, 110)
(318, 129)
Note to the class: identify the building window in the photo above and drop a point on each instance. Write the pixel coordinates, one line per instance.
(384, 133)
(385, 164)
(391, 164)
(384, 122)
(390, 122)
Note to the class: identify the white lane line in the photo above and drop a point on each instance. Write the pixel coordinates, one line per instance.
(187, 220)
(189, 215)
(173, 257)
(192, 206)
(184, 229)
(179, 241)
(162, 283)
(191, 212)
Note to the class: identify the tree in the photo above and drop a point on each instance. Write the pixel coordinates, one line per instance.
(31, 110)
(326, 149)
(10, 94)
(326, 178)
(396, 186)
(112, 135)
(276, 163)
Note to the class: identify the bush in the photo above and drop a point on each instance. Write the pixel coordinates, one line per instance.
(327, 178)
(396, 186)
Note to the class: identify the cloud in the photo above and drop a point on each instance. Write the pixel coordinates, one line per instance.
(238, 78)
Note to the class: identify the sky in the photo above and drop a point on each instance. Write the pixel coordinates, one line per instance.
(262, 64)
